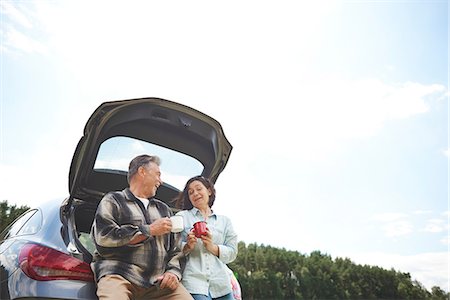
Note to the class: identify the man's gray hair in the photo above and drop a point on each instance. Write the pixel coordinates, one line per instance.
(139, 161)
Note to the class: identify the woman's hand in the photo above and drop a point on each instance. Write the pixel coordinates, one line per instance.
(208, 243)
(190, 242)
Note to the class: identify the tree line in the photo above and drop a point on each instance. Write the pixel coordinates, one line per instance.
(266, 272)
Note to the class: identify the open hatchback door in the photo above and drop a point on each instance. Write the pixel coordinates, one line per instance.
(188, 142)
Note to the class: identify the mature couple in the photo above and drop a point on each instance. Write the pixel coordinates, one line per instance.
(138, 257)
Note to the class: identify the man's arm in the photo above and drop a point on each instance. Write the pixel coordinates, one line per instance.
(106, 230)
(177, 259)
(159, 227)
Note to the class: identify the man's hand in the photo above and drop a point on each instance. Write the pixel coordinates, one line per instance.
(161, 226)
(168, 280)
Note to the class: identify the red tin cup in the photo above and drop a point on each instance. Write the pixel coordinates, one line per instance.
(200, 228)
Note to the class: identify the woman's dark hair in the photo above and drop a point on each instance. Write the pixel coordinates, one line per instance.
(182, 200)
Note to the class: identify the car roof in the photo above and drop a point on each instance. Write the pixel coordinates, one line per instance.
(158, 121)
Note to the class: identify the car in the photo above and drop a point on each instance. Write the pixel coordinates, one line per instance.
(46, 252)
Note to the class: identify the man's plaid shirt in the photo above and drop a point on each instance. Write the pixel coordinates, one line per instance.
(119, 217)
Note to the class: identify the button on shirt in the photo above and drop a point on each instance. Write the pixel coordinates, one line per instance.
(206, 273)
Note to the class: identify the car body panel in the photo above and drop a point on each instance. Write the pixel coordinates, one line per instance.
(15, 284)
(22, 286)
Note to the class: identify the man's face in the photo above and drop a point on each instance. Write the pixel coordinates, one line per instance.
(152, 179)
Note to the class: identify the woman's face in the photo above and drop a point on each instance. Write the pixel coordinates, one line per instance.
(198, 194)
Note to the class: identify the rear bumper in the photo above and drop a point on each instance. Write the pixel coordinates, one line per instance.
(22, 287)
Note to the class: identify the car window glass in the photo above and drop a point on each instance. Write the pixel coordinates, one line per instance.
(15, 227)
(32, 225)
(116, 153)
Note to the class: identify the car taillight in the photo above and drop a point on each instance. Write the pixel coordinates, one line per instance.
(43, 263)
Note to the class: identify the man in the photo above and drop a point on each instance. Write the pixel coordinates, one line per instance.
(137, 256)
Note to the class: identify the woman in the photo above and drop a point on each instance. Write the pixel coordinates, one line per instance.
(206, 275)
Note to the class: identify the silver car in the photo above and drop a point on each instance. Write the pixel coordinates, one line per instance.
(45, 253)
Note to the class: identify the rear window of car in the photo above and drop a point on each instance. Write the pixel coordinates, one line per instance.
(28, 223)
(116, 153)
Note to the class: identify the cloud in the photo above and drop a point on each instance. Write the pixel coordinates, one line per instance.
(389, 217)
(118, 164)
(436, 225)
(398, 228)
(16, 40)
(400, 224)
(14, 14)
(445, 240)
(446, 152)
(18, 19)
(368, 103)
(410, 98)
(422, 212)
(331, 106)
(323, 114)
(13, 190)
(394, 224)
(46, 165)
(138, 147)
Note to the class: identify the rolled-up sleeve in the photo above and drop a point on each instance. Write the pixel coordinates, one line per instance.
(229, 249)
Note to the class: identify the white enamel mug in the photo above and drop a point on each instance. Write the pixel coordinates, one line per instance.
(177, 223)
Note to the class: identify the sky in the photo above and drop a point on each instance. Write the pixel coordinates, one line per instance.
(337, 111)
